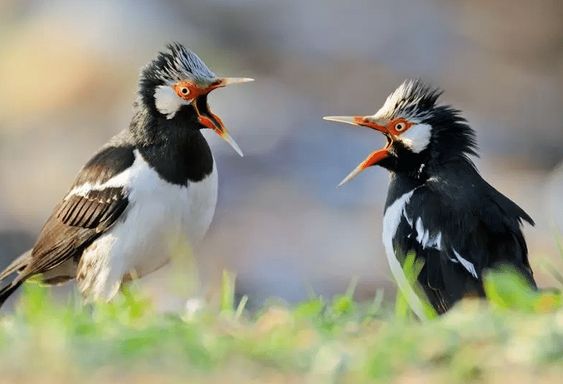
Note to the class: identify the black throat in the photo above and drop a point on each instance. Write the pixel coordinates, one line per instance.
(407, 163)
(452, 141)
(175, 147)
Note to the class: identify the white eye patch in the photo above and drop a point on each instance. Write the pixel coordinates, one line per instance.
(167, 101)
(417, 137)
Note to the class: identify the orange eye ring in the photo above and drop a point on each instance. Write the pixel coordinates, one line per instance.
(186, 90)
(398, 126)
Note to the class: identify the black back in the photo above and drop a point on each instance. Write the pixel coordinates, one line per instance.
(471, 218)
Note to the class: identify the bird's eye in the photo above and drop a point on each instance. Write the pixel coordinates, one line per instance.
(184, 91)
(399, 127)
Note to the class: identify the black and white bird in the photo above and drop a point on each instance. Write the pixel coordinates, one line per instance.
(151, 188)
(438, 206)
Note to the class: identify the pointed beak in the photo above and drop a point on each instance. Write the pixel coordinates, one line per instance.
(210, 120)
(374, 157)
(229, 139)
(224, 81)
(354, 120)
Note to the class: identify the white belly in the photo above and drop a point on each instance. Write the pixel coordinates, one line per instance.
(162, 220)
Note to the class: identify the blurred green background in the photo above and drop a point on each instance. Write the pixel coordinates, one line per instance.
(68, 73)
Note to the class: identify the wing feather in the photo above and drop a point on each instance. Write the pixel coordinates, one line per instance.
(85, 213)
(459, 229)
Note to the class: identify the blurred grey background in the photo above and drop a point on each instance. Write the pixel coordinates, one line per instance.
(68, 72)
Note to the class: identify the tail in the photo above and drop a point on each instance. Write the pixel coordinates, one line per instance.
(16, 266)
(445, 283)
(8, 290)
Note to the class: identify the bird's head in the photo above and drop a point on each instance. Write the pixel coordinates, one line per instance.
(176, 84)
(418, 131)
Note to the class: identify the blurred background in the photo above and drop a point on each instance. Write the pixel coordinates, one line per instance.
(68, 73)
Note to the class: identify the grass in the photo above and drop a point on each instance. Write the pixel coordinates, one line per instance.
(517, 337)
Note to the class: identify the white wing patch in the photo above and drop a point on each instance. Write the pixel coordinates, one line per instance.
(436, 242)
(407, 218)
(466, 264)
(423, 236)
(121, 180)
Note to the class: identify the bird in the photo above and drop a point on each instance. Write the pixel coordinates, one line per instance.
(152, 187)
(438, 205)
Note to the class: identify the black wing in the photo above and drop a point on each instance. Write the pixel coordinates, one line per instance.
(460, 226)
(76, 222)
(87, 211)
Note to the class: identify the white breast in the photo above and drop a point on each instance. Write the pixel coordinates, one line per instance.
(161, 220)
(391, 221)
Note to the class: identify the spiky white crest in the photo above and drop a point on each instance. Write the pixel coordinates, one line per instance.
(413, 100)
(177, 63)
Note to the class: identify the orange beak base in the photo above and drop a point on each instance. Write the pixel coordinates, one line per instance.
(374, 157)
(210, 120)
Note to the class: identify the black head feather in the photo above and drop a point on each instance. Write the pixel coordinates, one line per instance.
(451, 137)
(149, 127)
(171, 65)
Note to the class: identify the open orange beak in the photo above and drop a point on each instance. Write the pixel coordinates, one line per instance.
(209, 119)
(374, 157)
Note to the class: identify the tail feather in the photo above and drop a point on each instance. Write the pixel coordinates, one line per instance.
(445, 283)
(16, 266)
(8, 290)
